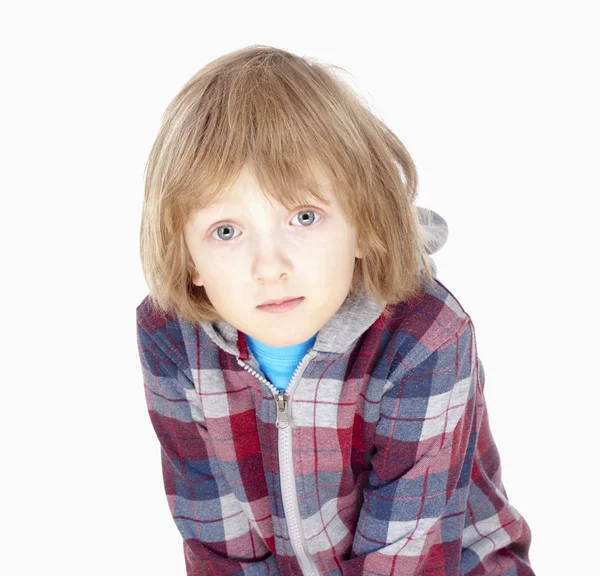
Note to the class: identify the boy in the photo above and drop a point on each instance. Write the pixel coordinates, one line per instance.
(344, 432)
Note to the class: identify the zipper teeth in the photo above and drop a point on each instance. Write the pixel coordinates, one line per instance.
(261, 378)
(287, 400)
(292, 503)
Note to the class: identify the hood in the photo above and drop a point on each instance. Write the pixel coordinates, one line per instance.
(356, 314)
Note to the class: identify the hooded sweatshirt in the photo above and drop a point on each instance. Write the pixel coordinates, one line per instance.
(363, 450)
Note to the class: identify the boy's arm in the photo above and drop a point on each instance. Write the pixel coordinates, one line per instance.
(435, 503)
(199, 498)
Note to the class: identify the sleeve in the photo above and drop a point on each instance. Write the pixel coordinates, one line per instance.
(435, 503)
(199, 498)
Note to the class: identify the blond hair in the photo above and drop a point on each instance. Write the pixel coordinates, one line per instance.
(279, 114)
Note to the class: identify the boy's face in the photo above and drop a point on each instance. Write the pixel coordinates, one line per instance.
(246, 251)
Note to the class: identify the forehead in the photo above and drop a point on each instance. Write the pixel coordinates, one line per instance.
(245, 190)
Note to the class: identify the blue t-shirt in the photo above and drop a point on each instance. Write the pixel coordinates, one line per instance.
(279, 364)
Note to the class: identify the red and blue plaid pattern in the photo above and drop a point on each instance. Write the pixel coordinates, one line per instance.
(395, 467)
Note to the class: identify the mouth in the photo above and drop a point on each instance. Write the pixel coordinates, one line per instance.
(287, 304)
(279, 301)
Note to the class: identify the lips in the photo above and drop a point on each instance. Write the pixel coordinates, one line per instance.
(286, 306)
(280, 301)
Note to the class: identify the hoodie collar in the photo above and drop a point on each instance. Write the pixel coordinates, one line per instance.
(354, 316)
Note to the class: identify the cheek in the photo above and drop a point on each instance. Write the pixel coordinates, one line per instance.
(330, 265)
(219, 271)
(334, 252)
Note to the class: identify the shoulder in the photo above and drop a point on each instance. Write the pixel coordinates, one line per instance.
(164, 330)
(150, 318)
(425, 324)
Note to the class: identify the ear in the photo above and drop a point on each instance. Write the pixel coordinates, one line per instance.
(196, 280)
(358, 253)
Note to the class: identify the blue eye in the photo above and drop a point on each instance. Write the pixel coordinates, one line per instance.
(227, 227)
(306, 222)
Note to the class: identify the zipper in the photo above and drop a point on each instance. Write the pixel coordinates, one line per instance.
(286, 465)
(283, 419)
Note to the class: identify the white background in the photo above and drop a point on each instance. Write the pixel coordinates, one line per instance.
(498, 105)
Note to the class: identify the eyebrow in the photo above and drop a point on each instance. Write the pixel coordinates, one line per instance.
(234, 206)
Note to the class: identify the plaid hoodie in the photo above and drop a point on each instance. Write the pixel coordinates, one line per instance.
(378, 459)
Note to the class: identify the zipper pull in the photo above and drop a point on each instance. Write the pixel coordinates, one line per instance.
(283, 420)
